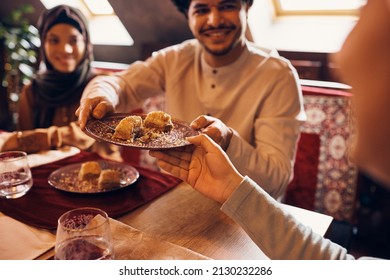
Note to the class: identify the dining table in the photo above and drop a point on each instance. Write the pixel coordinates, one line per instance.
(157, 217)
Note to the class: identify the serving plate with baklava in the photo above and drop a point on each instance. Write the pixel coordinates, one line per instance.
(155, 130)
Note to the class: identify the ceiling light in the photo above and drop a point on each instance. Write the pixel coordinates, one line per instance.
(99, 7)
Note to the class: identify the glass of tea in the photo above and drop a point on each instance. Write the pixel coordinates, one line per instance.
(84, 234)
(15, 174)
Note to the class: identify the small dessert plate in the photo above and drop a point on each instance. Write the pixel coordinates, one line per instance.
(67, 179)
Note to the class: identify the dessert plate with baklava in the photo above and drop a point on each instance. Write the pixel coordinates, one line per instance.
(153, 131)
(98, 176)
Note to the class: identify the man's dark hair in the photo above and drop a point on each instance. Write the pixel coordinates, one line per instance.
(182, 5)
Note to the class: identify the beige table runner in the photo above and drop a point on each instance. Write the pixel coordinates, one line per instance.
(19, 241)
(132, 244)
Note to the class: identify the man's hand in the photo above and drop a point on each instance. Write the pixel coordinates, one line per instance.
(215, 129)
(98, 98)
(96, 107)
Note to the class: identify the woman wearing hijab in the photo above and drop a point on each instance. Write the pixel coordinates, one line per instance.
(48, 103)
(66, 55)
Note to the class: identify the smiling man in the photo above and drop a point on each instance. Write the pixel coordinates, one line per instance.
(245, 97)
(219, 27)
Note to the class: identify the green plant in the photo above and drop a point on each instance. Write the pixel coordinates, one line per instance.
(21, 42)
(20, 51)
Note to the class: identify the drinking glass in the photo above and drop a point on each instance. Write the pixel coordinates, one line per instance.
(84, 234)
(15, 174)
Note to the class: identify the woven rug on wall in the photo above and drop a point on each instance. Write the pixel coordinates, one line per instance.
(336, 178)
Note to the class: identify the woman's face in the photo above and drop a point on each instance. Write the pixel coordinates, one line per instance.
(365, 64)
(64, 47)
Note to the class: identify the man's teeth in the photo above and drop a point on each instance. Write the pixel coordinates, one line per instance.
(216, 34)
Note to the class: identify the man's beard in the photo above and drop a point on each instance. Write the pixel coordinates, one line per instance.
(221, 52)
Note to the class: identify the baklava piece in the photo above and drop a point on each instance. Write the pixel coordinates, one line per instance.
(109, 178)
(89, 170)
(128, 128)
(158, 122)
